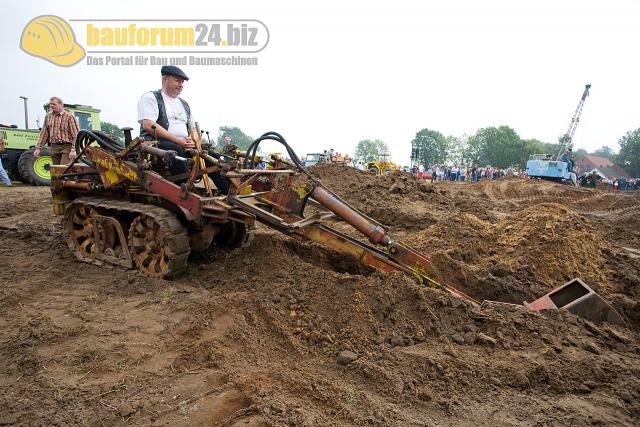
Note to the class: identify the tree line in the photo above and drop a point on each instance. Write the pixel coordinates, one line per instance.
(499, 147)
(496, 146)
(238, 138)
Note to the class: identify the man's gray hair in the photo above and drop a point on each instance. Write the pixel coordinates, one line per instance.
(57, 99)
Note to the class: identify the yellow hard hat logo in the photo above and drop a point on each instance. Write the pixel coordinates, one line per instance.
(51, 38)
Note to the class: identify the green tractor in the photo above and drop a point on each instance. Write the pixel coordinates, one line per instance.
(18, 158)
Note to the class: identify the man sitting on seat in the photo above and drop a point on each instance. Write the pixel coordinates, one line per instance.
(174, 125)
(566, 157)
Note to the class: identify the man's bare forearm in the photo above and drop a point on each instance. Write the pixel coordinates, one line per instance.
(159, 131)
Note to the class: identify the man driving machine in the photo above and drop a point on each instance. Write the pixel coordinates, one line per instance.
(174, 124)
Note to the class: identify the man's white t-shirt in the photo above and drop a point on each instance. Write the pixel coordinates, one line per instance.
(148, 110)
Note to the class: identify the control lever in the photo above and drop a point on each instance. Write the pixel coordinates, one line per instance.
(127, 136)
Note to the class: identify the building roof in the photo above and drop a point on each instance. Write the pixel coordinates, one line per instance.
(596, 161)
(614, 171)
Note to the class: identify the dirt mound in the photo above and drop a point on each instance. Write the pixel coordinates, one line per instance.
(535, 250)
(284, 332)
(512, 256)
(350, 181)
(401, 345)
(397, 199)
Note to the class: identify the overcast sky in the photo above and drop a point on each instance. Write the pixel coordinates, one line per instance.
(334, 73)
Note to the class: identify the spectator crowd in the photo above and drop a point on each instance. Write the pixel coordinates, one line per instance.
(461, 173)
(457, 173)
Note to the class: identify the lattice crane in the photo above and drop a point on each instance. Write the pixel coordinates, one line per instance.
(566, 140)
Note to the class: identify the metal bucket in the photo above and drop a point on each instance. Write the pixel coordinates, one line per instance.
(580, 300)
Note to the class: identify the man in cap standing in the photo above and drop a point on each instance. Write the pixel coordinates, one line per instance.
(60, 130)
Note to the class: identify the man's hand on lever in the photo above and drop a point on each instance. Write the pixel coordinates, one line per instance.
(185, 143)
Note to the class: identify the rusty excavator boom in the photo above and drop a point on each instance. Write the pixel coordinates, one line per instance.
(122, 206)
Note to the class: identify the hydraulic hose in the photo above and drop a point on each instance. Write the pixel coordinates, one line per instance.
(87, 137)
(273, 136)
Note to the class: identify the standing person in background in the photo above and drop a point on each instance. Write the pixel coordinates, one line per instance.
(227, 144)
(60, 130)
(3, 173)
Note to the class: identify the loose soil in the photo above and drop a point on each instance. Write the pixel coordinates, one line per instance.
(283, 332)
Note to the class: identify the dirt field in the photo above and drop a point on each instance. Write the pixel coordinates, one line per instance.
(251, 337)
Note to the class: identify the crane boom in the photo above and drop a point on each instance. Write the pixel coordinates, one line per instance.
(566, 140)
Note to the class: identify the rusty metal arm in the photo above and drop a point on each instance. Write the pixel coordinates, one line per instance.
(396, 257)
(370, 256)
(365, 254)
(375, 233)
(407, 258)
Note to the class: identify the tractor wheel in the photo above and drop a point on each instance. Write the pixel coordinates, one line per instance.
(159, 245)
(386, 171)
(373, 170)
(35, 170)
(14, 172)
(233, 235)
